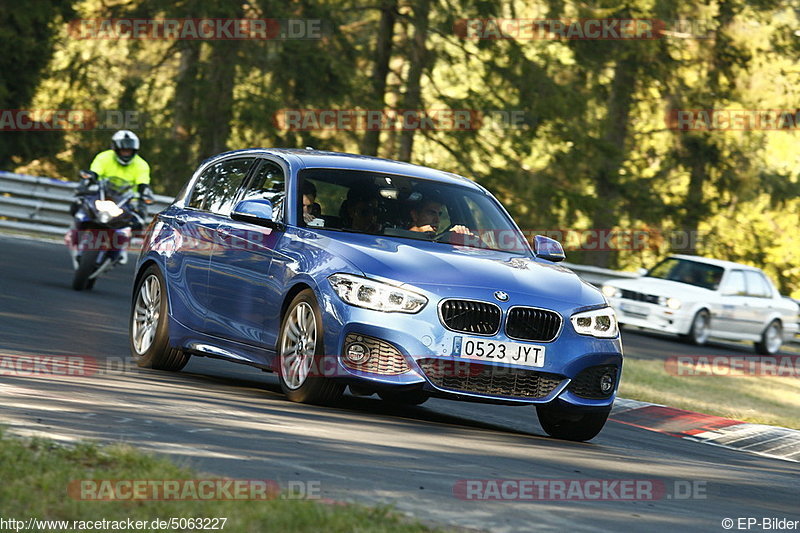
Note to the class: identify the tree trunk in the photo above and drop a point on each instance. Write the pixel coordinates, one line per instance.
(698, 152)
(615, 133)
(185, 105)
(419, 56)
(216, 107)
(380, 70)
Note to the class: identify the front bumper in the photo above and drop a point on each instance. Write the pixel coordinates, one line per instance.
(650, 316)
(429, 351)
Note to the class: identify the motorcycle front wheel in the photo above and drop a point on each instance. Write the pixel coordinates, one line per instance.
(86, 267)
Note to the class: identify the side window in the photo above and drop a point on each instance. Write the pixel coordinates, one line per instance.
(735, 284)
(215, 190)
(322, 204)
(756, 285)
(268, 183)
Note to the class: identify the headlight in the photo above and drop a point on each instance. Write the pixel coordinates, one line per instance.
(597, 323)
(672, 303)
(108, 208)
(611, 292)
(371, 294)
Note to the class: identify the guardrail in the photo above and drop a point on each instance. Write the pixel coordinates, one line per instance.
(596, 275)
(41, 205)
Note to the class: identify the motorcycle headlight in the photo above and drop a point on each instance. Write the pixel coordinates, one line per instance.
(600, 323)
(371, 294)
(108, 208)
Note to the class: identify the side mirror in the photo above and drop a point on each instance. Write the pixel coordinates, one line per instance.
(255, 212)
(641, 271)
(547, 248)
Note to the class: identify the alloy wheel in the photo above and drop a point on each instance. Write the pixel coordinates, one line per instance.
(147, 313)
(299, 345)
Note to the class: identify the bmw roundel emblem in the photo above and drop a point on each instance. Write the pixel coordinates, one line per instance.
(502, 296)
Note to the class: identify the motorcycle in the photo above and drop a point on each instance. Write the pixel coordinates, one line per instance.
(104, 218)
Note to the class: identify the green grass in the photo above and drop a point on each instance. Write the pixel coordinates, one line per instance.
(36, 474)
(762, 400)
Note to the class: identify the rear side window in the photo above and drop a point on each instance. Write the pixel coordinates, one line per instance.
(735, 284)
(216, 188)
(757, 286)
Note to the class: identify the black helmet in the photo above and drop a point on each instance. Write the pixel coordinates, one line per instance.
(124, 140)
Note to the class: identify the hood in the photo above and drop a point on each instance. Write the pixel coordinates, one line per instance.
(656, 286)
(440, 267)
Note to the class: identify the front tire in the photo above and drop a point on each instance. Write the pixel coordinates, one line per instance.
(571, 424)
(149, 332)
(86, 265)
(701, 328)
(301, 354)
(771, 339)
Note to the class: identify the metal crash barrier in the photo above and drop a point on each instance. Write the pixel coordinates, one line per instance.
(37, 205)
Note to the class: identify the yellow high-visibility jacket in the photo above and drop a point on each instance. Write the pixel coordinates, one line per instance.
(134, 173)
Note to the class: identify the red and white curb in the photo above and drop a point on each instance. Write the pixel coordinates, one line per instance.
(769, 441)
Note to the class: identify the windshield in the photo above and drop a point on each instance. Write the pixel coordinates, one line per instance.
(405, 207)
(690, 272)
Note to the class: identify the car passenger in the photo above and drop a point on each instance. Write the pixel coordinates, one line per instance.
(311, 209)
(360, 211)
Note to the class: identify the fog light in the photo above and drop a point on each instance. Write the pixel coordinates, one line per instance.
(606, 383)
(357, 353)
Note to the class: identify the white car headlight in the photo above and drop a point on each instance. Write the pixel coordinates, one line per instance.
(600, 323)
(672, 303)
(611, 292)
(371, 294)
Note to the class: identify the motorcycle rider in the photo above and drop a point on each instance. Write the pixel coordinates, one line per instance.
(122, 166)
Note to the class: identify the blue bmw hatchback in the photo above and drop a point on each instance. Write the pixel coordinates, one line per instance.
(337, 270)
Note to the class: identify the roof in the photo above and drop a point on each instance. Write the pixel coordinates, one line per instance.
(310, 158)
(716, 262)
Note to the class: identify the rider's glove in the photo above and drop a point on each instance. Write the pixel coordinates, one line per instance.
(145, 193)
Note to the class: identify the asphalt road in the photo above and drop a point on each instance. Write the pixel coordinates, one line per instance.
(231, 420)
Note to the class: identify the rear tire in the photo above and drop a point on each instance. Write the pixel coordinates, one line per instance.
(301, 354)
(149, 331)
(771, 339)
(86, 265)
(575, 424)
(413, 397)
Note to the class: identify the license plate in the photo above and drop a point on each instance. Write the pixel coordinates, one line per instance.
(635, 309)
(513, 353)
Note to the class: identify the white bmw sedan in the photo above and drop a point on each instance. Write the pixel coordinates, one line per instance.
(699, 298)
